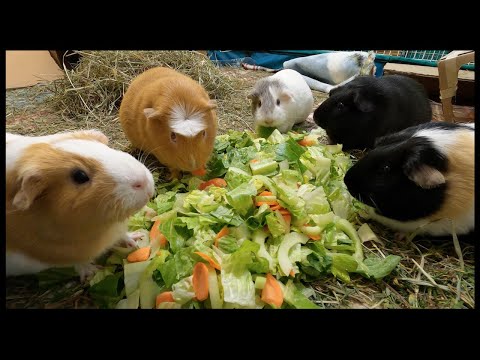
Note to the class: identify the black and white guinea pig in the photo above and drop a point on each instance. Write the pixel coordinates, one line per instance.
(419, 179)
(357, 113)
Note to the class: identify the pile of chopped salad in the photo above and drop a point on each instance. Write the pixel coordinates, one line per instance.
(269, 216)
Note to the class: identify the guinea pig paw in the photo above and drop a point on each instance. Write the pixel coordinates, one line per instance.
(86, 271)
(130, 239)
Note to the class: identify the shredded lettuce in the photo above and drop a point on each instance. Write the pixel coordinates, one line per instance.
(240, 198)
(296, 298)
(304, 231)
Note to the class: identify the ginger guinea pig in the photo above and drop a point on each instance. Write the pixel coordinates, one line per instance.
(171, 116)
(68, 199)
(419, 179)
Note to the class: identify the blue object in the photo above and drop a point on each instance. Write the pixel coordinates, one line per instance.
(271, 60)
(274, 59)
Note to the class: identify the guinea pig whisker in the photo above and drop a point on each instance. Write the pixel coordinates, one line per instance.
(360, 198)
(374, 204)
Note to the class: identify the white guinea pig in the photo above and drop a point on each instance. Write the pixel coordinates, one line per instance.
(281, 100)
(68, 199)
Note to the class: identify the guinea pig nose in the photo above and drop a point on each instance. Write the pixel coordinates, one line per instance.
(269, 121)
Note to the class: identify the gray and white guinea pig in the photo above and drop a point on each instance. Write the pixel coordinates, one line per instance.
(420, 179)
(68, 199)
(357, 113)
(281, 100)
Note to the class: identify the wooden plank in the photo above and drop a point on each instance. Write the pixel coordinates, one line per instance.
(461, 113)
(419, 70)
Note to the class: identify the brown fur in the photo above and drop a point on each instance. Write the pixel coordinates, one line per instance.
(162, 88)
(460, 177)
(64, 223)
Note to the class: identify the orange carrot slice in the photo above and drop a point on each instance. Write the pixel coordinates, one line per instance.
(225, 231)
(156, 235)
(260, 203)
(265, 193)
(199, 172)
(200, 281)
(215, 182)
(166, 296)
(292, 274)
(306, 142)
(288, 219)
(275, 207)
(253, 160)
(315, 237)
(138, 255)
(212, 262)
(272, 292)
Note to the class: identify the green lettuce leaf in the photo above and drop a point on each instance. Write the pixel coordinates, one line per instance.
(228, 244)
(175, 240)
(240, 198)
(168, 271)
(295, 298)
(108, 292)
(378, 268)
(236, 177)
(53, 276)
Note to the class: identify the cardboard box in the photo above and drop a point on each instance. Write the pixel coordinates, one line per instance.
(26, 68)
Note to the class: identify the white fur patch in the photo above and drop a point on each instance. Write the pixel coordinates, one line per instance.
(186, 124)
(122, 167)
(442, 139)
(463, 225)
(20, 264)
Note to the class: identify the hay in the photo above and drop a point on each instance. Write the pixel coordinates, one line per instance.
(91, 93)
(96, 86)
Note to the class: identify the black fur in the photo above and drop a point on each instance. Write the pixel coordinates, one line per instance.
(372, 107)
(380, 179)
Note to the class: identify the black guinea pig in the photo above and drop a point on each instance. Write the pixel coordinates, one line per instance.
(419, 179)
(357, 113)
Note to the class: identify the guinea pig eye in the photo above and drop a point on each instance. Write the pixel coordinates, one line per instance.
(79, 176)
(173, 136)
(259, 103)
(340, 105)
(386, 168)
(204, 133)
(278, 102)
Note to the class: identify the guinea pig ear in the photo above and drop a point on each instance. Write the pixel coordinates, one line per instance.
(362, 103)
(31, 186)
(419, 167)
(252, 95)
(150, 112)
(211, 105)
(426, 176)
(286, 96)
